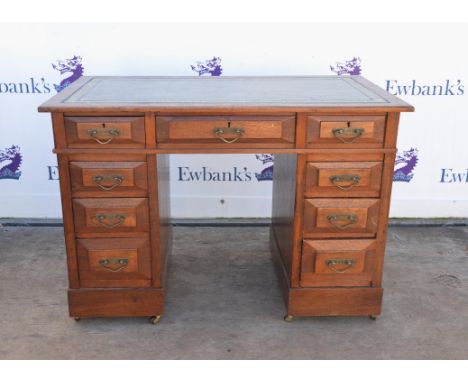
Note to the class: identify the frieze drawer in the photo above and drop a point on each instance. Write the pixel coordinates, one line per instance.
(105, 132)
(225, 131)
(346, 131)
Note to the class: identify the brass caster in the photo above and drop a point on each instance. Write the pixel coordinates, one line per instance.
(155, 320)
(373, 317)
(288, 318)
(77, 318)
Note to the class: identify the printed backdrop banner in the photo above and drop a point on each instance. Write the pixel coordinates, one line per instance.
(423, 64)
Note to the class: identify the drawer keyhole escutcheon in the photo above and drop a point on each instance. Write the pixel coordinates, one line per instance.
(348, 134)
(351, 180)
(104, 218)
(115, 179)
(103, 131)
(219, 131)
(114, 265)
(347, 263)
(348, 220)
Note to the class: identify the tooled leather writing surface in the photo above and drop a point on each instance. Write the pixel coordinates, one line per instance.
(218, 92)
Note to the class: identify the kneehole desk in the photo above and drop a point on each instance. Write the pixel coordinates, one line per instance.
(334, 140)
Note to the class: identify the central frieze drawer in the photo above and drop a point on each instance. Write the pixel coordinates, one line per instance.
(222, 131)
(111, 215)
(340, 218)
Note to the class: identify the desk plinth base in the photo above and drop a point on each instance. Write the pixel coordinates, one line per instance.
(334, 301)
(339, 301)
(134, 302)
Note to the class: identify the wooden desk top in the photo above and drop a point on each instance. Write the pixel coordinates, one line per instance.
(224, 94)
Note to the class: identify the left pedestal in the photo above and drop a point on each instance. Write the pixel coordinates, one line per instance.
(116, 218)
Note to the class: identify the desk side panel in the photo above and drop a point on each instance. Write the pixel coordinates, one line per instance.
(68, 221)
(284, 192)
(160, 209)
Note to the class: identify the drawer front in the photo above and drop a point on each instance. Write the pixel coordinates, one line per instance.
(337, 262)
(116, 215)
(116, 262)
(104, 132)
(340, 217)
(108, 178)
(219, 131)
(343, 179)
(346, 131)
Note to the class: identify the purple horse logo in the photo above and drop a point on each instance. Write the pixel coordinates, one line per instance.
(351, 67)
(212, 67)
(404, 165)
(267, 173)
(70, 65)
(10, 162)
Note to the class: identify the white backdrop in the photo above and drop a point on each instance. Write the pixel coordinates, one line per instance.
(424, 64)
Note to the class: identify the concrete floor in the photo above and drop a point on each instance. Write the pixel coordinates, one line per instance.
(223, 302)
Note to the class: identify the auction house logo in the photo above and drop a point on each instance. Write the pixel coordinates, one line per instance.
(10, 162)
(211, 67)
(267, 173)
(41, 86)
(29, 86)
(205, 174)
(405, 163)
(351, 67)
(449, 175)
(71, 65)
(414, 88)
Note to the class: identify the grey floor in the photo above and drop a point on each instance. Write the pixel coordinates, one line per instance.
(223, 302)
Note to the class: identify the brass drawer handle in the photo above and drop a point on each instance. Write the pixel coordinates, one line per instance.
(219, 131)
(349, 263)
(114, 265)
(113, 132)
(348, 219)
(101, 218)
(348, 134)
(116, 179)
(349, 178)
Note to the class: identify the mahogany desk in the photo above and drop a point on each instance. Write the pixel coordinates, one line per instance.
(335, 143)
